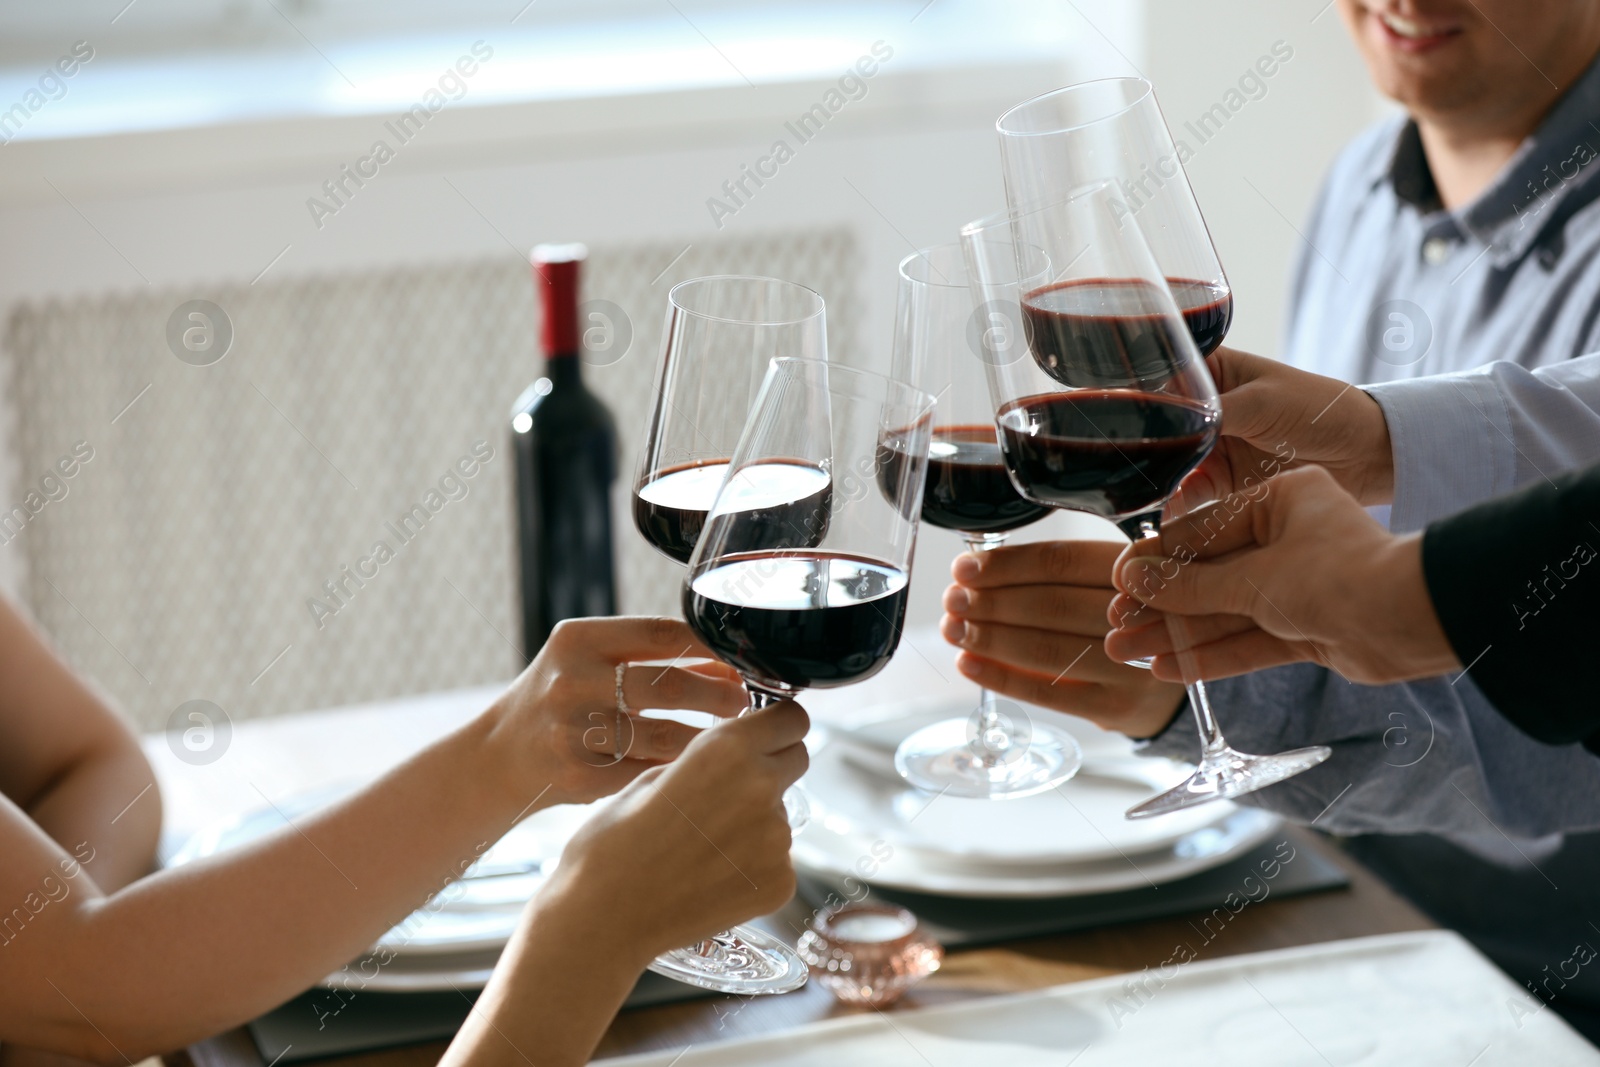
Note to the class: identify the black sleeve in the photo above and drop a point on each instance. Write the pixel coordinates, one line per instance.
(1516, 584)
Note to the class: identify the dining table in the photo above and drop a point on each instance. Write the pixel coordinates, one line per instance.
(292, 754)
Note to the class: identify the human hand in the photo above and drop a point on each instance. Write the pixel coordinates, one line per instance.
(690, 849)
(1301, 573)
(1276, 418)
(1030, 621)
(558, 723)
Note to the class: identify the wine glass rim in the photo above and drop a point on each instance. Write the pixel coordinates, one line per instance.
(922, 255)
(819, 306)
(1146, 89)
(924, 400)
(1004, 217)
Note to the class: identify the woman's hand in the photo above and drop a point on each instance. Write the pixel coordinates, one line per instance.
(559, 723)
(694, 847)
(685, 852)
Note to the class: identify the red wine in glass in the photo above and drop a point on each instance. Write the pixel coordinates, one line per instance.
(967, 486)
(1111, 332)
(1111, 452)
(1207, 309)
(787, 506)
(799, 620)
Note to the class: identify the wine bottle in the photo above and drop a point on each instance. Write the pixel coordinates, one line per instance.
(565, 444)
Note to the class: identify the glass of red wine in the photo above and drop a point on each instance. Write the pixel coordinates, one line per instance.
(720, 334)
(821, 604)
(995, 753)
(1112, 130)
(1104, 404)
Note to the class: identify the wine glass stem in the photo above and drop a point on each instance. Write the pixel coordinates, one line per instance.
(1212, 742)
(1211, 739)
(761, 697)
(988, 717)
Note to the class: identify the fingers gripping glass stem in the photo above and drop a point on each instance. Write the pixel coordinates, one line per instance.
(1223, 772)
(796, 806)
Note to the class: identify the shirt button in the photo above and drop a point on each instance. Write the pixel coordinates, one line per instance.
(1436, 250)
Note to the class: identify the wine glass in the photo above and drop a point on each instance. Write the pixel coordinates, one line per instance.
(823, 607)
(1112, 130)
(719, 336)
(1104, 405)
(989, 754)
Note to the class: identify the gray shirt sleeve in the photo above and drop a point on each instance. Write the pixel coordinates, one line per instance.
(1459, 439)
(1421, 757)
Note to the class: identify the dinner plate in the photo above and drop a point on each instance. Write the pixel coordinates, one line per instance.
(834, 856)
(1080, 821)
(477, 913)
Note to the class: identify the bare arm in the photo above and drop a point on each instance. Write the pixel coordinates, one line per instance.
(70, 761)
(107, 976)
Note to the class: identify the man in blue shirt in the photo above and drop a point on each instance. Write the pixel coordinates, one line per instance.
(1464, 232)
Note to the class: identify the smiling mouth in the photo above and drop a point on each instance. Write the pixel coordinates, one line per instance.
(1414, 35)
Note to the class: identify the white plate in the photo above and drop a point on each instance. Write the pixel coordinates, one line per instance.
(1079, 822)
(819, 851)
(477, 914)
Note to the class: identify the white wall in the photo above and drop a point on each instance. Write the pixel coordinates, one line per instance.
(906, 166)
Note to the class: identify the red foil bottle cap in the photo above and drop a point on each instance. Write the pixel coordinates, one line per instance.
(555, 274)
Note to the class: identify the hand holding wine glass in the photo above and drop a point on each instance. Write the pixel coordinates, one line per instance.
(1297, 573)
(561, 721)
(713, 846)
(1277, 418)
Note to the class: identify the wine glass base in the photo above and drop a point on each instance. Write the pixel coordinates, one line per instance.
(942, 759)
(742, 960)
(1228, 774)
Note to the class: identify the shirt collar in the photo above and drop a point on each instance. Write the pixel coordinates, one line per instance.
(1529, 198)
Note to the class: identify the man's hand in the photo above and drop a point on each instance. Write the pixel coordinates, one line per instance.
(1299, 573)
(1276, 418)
(1031, 620)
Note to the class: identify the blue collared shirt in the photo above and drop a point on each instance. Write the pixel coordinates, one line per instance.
(1391, 287)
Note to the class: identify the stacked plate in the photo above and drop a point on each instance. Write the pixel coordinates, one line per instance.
(454, 940)
(1073, 840)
